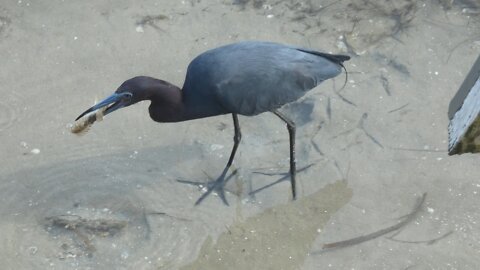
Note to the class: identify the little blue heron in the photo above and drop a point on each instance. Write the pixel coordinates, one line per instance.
(246, 78)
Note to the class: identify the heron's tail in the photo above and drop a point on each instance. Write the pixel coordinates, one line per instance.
(336, 58)
(339, 59)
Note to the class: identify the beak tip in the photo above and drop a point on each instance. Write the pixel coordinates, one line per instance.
(114, 98)
(84, 113)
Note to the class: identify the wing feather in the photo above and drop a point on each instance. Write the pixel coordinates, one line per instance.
(253, 77)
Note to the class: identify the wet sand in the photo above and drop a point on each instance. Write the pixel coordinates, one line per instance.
(110, 199)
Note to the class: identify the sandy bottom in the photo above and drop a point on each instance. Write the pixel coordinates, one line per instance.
(111, 200)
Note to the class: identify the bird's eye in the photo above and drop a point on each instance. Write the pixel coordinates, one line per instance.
(127, 97)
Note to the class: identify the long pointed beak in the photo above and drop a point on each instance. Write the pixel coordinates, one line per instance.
(114, 102)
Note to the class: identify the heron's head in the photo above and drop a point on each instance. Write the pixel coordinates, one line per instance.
(130, 92)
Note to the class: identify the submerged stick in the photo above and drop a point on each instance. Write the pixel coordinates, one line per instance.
(428, 242)
(364, 238)
(84, 228)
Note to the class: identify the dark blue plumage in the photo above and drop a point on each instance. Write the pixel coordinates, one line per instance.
(249, 78)
(244, 78)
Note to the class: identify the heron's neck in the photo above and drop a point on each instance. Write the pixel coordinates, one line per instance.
(172, 104)
(167, 103)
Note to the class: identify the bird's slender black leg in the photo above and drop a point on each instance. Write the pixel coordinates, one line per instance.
(221, 181)
(236, 140)
(291, 133)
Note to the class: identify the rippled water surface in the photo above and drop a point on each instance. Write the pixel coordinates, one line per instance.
(366, 152)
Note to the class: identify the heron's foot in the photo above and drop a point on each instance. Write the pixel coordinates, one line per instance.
(285, 177)
(217, 186)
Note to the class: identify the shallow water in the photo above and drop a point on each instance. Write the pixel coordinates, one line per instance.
(110, 199)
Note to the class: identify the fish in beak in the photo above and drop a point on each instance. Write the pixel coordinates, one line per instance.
(96, 112)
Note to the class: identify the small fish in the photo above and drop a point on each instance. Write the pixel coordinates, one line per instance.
(82, 126)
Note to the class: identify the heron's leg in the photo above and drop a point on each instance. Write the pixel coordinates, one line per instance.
(236, 140)
(219, 184)
(291, 133)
